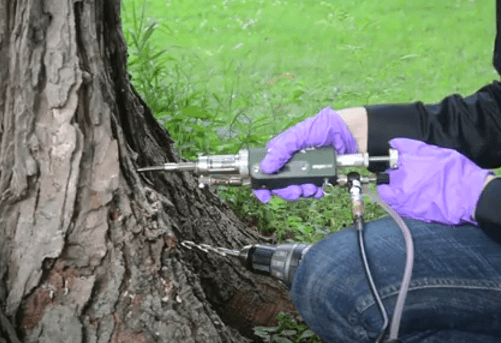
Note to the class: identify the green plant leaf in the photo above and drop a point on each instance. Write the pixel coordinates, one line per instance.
(164, 25)
(195, 112)
(292, 219)
(307, 334)
(268, 329)
(147, 34)
(288, 332)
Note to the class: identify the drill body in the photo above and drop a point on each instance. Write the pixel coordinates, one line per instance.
(279, 262)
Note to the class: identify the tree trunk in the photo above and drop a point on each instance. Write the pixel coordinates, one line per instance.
(89, 248)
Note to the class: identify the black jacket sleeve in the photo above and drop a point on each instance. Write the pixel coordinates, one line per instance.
(471, 125)
(488, 209)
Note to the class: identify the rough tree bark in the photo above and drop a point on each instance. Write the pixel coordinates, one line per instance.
(89, 249)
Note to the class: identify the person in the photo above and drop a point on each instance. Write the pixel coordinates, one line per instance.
(449, 199)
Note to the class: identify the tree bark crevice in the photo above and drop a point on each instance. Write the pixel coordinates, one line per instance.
(7, 328)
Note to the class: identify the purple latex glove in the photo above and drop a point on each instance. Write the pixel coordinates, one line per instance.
(327, 128)
(433, 184)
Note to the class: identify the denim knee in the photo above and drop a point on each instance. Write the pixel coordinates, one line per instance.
(331, 292)
(327, 283)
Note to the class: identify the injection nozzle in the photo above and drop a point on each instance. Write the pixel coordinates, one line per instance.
(181, 166)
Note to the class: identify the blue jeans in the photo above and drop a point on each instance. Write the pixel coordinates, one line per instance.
(454, 294)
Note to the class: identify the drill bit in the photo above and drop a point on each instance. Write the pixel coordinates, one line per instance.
(181, 166)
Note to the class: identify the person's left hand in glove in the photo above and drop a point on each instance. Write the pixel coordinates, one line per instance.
(433, 184)
(327, 128)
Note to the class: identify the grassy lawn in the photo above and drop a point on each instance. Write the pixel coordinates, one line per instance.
(225, 75)
(346, 54)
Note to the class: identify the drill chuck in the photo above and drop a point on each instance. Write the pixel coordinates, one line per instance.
(280, 261)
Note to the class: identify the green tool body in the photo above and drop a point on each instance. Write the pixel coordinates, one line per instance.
(315, 166)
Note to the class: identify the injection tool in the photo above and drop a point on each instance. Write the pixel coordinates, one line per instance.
(313, 165)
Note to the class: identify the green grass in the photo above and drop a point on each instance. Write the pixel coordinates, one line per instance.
(343, 54)
(226, 75)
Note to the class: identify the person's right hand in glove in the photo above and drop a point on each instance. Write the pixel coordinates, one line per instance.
(433, 184)
(327, 128)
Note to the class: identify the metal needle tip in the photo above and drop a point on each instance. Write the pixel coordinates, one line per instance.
(147, 169)
(170, 167)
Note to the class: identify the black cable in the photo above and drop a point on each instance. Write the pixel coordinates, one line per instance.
(360, 226)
